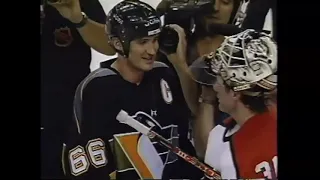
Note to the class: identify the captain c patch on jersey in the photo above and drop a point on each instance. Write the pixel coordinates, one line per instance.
(166, 91)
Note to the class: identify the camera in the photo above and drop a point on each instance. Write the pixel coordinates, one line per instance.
(186, 8)
(168, 40)
(182, 13)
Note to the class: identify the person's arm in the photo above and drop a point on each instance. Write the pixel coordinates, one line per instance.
(178, 59)
(204, 121)
(89, 155)
(94, 35)
(93, 32)
(189, 86)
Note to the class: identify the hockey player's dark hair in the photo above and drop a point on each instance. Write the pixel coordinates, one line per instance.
(257, 104)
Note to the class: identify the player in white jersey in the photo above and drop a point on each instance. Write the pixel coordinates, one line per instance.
(245, 145)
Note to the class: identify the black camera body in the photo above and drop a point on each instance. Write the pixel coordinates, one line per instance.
(182, 13)
(168, 40)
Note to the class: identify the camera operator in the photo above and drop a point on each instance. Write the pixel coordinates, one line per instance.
(65, 61)
(190, 47)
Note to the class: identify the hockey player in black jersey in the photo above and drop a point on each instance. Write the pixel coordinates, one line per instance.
(99, 147)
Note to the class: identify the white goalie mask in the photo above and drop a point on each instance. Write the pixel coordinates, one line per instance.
(248, 59)
(243, 61)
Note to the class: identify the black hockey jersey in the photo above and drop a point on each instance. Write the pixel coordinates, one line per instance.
(102, 148)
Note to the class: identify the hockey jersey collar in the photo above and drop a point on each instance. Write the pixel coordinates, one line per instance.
(251, 126)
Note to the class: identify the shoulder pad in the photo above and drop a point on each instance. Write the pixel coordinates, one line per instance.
(101, 72)
(158, 64)
(77, 107)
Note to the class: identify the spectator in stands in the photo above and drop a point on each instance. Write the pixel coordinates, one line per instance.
(65, 61)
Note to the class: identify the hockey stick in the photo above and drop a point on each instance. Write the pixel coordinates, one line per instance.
(124, 118)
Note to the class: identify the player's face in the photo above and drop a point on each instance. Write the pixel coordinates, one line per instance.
(142, 52)
(225, 97)
(222, 12)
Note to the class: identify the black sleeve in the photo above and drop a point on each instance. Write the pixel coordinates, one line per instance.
(89, 154)
(93, 10)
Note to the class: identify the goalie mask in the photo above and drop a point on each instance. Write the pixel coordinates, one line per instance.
(244, 61)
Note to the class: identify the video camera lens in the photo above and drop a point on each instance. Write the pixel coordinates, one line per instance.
(168, 40)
